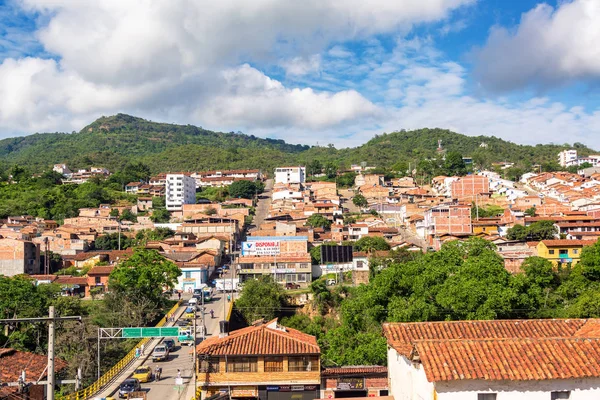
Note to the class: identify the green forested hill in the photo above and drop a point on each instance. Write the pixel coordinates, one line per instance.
(114, 141)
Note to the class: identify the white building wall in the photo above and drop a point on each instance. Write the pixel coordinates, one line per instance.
(287, 194)
(407, 381)
(180, 190)
(581, 389)
(290, 175)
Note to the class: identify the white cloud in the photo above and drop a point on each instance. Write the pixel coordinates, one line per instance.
(253, 100)
(550, 47)
(299, 66)
(164, 59)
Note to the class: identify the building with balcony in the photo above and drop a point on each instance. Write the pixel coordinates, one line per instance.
(562, 251)
(287, 175)
(180, 189)
(286, 258)
(265, 361)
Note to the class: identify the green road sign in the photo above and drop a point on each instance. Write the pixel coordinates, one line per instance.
(150, 332)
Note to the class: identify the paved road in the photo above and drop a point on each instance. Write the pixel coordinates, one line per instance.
(262, 208)
(348, 194)
(181, 359)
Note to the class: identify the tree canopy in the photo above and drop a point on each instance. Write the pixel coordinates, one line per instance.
(261, 298)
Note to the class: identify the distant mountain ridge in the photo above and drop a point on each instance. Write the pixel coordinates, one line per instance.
(116, 140)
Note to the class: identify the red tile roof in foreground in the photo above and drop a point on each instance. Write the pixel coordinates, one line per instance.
(266, 339)
(12, 362)
(501, 349)
(510, 359)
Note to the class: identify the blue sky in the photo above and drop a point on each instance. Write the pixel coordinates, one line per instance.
(318, 71)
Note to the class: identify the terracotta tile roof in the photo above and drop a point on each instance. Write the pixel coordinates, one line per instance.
(355, 370)
(501, 349)
(566, 242)
(12, 362)
(402, 335)
(101, 270)
(266, 339)
(510, 359)
(71, 280)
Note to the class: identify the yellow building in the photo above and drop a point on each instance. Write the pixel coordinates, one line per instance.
(562, 251)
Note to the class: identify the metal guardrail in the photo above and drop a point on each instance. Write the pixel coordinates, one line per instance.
(116, 369)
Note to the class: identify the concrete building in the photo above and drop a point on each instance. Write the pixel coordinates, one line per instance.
(181, 189)
(470, 187)
(566, 157)
(19, 257)
(494, 360)
(287, 175)
(286, 258)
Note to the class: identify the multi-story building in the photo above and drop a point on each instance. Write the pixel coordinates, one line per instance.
(451, 219)
(287, 175)
(265, 361)
(566, 157)
(181, 189)
(286, 258)
(19, 257)
(470, 187)
(539, 359)
(562, 251)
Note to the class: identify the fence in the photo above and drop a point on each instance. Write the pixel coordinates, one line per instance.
(116, 369)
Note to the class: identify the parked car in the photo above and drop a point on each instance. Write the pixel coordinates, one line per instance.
(183, 322)
(193, 302)
(142, 374)
(225, 267)
(170, 343)
(292, 285)
(331, 282)
(160, 353)
(128, 386)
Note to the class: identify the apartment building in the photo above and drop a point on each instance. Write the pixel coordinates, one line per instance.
(470, 187)
(19, 257)
(452, 219)
(287, 175)
(286, 258)
(567, 157)
(265, 361)
(181, 189)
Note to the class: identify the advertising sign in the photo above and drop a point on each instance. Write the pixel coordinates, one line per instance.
(244, 391)
(261, 248)
(350, 383)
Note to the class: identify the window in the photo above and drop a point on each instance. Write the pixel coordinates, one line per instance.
(242, 364)
(560, 395)
(210, 364)
(550, 251)
(97, 280)
(486, 396)
(273, 364)
(563, 252)
(575, 251)
(303, 363)
(188, 274)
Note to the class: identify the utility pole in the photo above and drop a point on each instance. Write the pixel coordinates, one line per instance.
(51, 332)
(51, 319)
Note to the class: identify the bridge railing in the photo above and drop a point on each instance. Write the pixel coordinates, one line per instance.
(116, 369)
